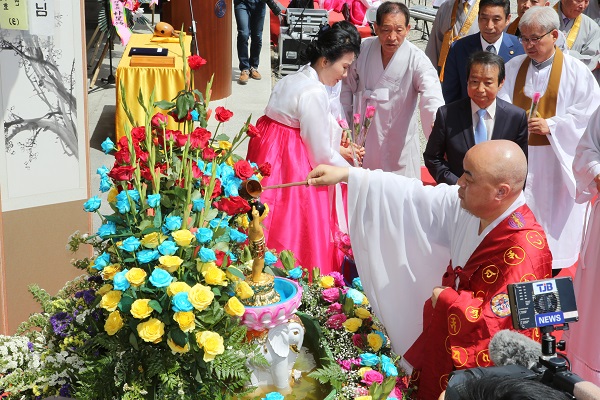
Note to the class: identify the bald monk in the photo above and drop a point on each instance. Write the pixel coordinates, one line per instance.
(404, 235)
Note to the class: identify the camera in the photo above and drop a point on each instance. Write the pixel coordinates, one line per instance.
(548, 305)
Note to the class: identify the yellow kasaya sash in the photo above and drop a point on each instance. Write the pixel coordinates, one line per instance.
(512, 28)
(449, 37)
(574, 30)
(547, 104)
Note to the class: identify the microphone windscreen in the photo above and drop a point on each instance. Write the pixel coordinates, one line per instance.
(509, 347)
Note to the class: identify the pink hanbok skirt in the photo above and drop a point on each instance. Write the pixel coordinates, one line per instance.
(301, 218)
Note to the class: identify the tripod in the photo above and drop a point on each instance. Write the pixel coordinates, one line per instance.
(110, 79)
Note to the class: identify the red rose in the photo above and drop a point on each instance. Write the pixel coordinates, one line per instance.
(222, 114)
(159, 120)
(199, 138)
(121, 172)
(208, 154)
(138, 134)
(196, 172)
(232, 205)
(252, 131)
(265, 169)
(216, 190)
(188, 117)
(195, 62)
(243, 169)
(181, 139)
(123, 156)
(220, 257)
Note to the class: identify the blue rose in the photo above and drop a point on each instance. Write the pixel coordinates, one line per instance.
(204, 235)
(105, 184)
(237, 236)
(232, 257)
(195, 115)
(356, 296)
(207, 255)
(231, 187)
(107, 229)
(273, 396)
(357, 284)
(134, 195)
(270, 258)
(120, 281)
(197, 205)
(181, 302)
(173, 223)
(226, 172)
(102, 171)
(123, 206)
(154, 200)
(295, 273)
(219, 222)
(107, 146)
(389, 369)
(130, 244)
(92, 204)
(369, 359)
(160, 278)
(167, 248)
(102, 261)
(146, 256)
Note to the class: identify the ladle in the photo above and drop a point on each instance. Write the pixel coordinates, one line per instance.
(253, 189)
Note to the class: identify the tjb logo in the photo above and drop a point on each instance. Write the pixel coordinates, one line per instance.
(544, 287)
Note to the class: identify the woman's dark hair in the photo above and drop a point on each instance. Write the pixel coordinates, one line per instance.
(504, 388)
(333, 42)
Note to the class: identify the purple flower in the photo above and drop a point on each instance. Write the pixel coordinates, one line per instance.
(30, 346)
(60, 322)
(87, 295)
(65, 390)
(345, 364)
(338, 279)
(95, 279)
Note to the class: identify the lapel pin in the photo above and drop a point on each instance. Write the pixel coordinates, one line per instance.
(511, 52)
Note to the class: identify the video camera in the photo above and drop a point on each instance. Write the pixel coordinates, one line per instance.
(549, 305)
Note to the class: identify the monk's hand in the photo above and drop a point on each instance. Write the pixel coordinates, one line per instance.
(538, 126)
(436, 293)
(597, 180)
(345, 139)
(325, 175)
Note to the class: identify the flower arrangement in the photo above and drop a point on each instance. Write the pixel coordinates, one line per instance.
(362, 365)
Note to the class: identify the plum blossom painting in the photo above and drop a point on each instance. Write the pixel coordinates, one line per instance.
(43, 157)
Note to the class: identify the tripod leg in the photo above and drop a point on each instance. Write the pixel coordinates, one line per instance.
(96, 69)
(97, 47)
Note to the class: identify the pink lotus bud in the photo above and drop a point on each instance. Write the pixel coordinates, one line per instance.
(370, 111)
(343, 123)
(357, 118)
(536, 97)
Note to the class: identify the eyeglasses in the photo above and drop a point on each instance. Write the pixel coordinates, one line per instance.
(533, 40)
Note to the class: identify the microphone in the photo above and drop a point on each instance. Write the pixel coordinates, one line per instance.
(509, 347)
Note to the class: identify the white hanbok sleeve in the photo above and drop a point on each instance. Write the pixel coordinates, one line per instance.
(318, 128)
(427, 83)
(400, 232)
(587, 160)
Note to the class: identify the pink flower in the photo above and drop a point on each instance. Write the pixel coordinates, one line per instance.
(372, 376)
(331, 295)
(536, 97)
(336, 321)
(359, 340)
(159, 120)
(370, 112)
(338, 279)
(335, 308)
(345, 364)
(356, 118)
(396, 393)
(343, 123)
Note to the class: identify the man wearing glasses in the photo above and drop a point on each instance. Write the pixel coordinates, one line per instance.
(391, 74)
(569, 95)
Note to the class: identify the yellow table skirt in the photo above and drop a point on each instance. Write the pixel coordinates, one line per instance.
(165, 81)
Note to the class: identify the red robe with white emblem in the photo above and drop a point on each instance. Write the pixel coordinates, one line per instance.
(456, 333)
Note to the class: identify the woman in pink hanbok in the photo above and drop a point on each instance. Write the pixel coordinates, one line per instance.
(298, 132)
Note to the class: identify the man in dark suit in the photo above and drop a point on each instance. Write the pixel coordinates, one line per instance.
(464, 123)
(494, 16)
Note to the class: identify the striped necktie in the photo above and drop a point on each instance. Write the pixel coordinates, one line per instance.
(491, 49)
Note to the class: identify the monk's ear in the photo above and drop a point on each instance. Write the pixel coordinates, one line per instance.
(503, 191)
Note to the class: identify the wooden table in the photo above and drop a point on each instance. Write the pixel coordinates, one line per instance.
(165, 81)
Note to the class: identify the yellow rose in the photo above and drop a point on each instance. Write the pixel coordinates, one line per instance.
(363, 398)
(151, 331)
(234, 307)
(230, 161)
(215, 276)
(113, 323)
(177, 349)
(362, 313)
(211, 342)
(327, 281)
(375, 341)
(111, 196)
(136, 276)
(177, 287)
(110, 270)
(352, 324)
(202, 267)
(141, 309)
(111, 300)
(363, 370)
(152, 240)
(170, 263)
(200, 296)
(243, 290)
(104, 289)
(242, 221)
(224, 144)
(186, 320)
(182, 237)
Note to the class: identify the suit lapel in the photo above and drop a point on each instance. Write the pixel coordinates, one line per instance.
(467, 122)
(505, 48)
(499, 121)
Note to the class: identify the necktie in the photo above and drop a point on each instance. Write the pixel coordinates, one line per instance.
(566, 21)
(466, 7)
(480, 129)
(491, 49)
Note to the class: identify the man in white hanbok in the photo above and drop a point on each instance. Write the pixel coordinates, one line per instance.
(390, 74)
(581, 32)
(583, 340)
(569, 96)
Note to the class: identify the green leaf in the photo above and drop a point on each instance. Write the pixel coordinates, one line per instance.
(210, 214)
(275, 271)
(164, 104)
(133, 341)
(222, 246)
(125, 303)
(155, 305)
(222, 136)
(388, 385)
(179, 337)
(348, 306)
(287, 259)
(236, 272)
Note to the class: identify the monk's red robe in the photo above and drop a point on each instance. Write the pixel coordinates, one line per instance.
(456, 333)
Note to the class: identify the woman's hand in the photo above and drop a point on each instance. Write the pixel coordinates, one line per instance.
(346, 152)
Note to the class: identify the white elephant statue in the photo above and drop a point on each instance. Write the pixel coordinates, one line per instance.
(280, 348)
